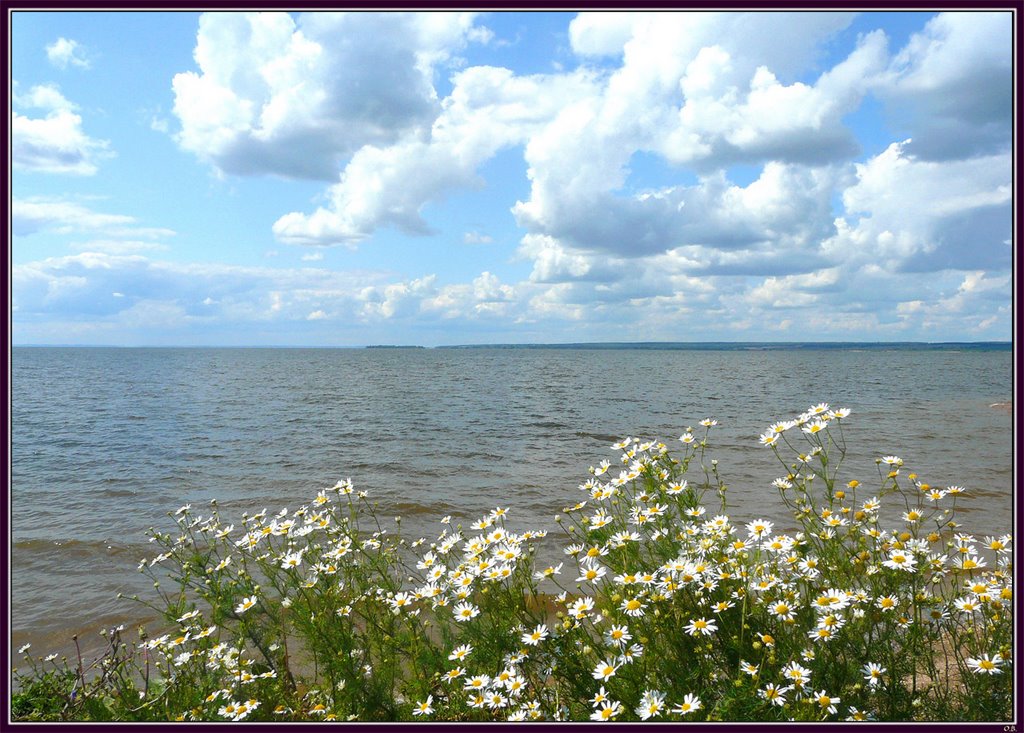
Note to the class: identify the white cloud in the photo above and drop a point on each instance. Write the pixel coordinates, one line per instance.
(794, 291)
(708, 106)
(81, 283)
(926, 215)
(788, 207)
(704, 90)
(117, 246)
(297, 96)
(194, 303)
(69, 217)
(787, 42)
(489, 109)
(477, 238)
(66, 52)
(952, 85)
(814, 244)
(486, 297)
(54, 143)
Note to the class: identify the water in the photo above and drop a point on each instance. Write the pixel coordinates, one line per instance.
(105, 442)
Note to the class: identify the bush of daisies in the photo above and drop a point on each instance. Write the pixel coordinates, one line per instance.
(872, 605)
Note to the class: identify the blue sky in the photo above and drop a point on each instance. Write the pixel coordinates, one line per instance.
(432, 178)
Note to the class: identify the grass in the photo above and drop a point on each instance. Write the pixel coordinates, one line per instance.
(661, 607)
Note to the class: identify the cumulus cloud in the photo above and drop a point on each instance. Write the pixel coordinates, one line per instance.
(953, 86)
(123, 288)
(65, 52)
(489, 108)
(83, 283)
(92, 294)
(55, 142)
(925, 215)
(818, 238)
(296, 96)
(788, 207)
(706, 107)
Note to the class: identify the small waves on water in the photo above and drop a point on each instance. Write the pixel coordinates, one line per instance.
(73, 586)
(106, 442)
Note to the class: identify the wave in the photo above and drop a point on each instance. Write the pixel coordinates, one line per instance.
(79, 548)
(599, 437)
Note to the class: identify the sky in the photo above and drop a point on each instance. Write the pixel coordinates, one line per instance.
(322, 179)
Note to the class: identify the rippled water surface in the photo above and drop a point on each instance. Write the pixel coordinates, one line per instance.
(106, 441)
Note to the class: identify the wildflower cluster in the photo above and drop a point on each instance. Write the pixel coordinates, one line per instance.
(659, 607)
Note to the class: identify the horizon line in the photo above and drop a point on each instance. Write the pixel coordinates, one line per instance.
(507, 344)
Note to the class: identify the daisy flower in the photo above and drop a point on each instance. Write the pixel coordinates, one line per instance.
(796, 674)
(478, 682)
(535, 637)
(873, 673)
(689, 704)
(825, 702)
(774, 694)
(591, 573)
(986, 664)
(815, 427)
(759, 528)
(424, 708)
(246, 604)
(651, 704)
(608, 710)
(887, 603)
(769, 439)
(496, 700)
(400, 600)
(292, 559)
(782, 611)
(581, 606)
(604, 671)
(701, 626)
(460, 652)
(633, 607)
(999, 544)
(618, 635)
(454, 674)
(899, 560)
(465, 611)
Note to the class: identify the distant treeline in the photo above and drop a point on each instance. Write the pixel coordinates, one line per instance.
(756, 346)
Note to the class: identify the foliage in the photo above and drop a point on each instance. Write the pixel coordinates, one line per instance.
(658, 609)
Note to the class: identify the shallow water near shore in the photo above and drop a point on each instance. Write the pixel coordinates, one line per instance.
(106, 442)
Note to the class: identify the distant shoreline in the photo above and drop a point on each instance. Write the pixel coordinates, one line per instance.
(759, 346)
(618, 345)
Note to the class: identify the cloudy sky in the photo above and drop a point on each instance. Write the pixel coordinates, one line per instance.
(349, 179)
